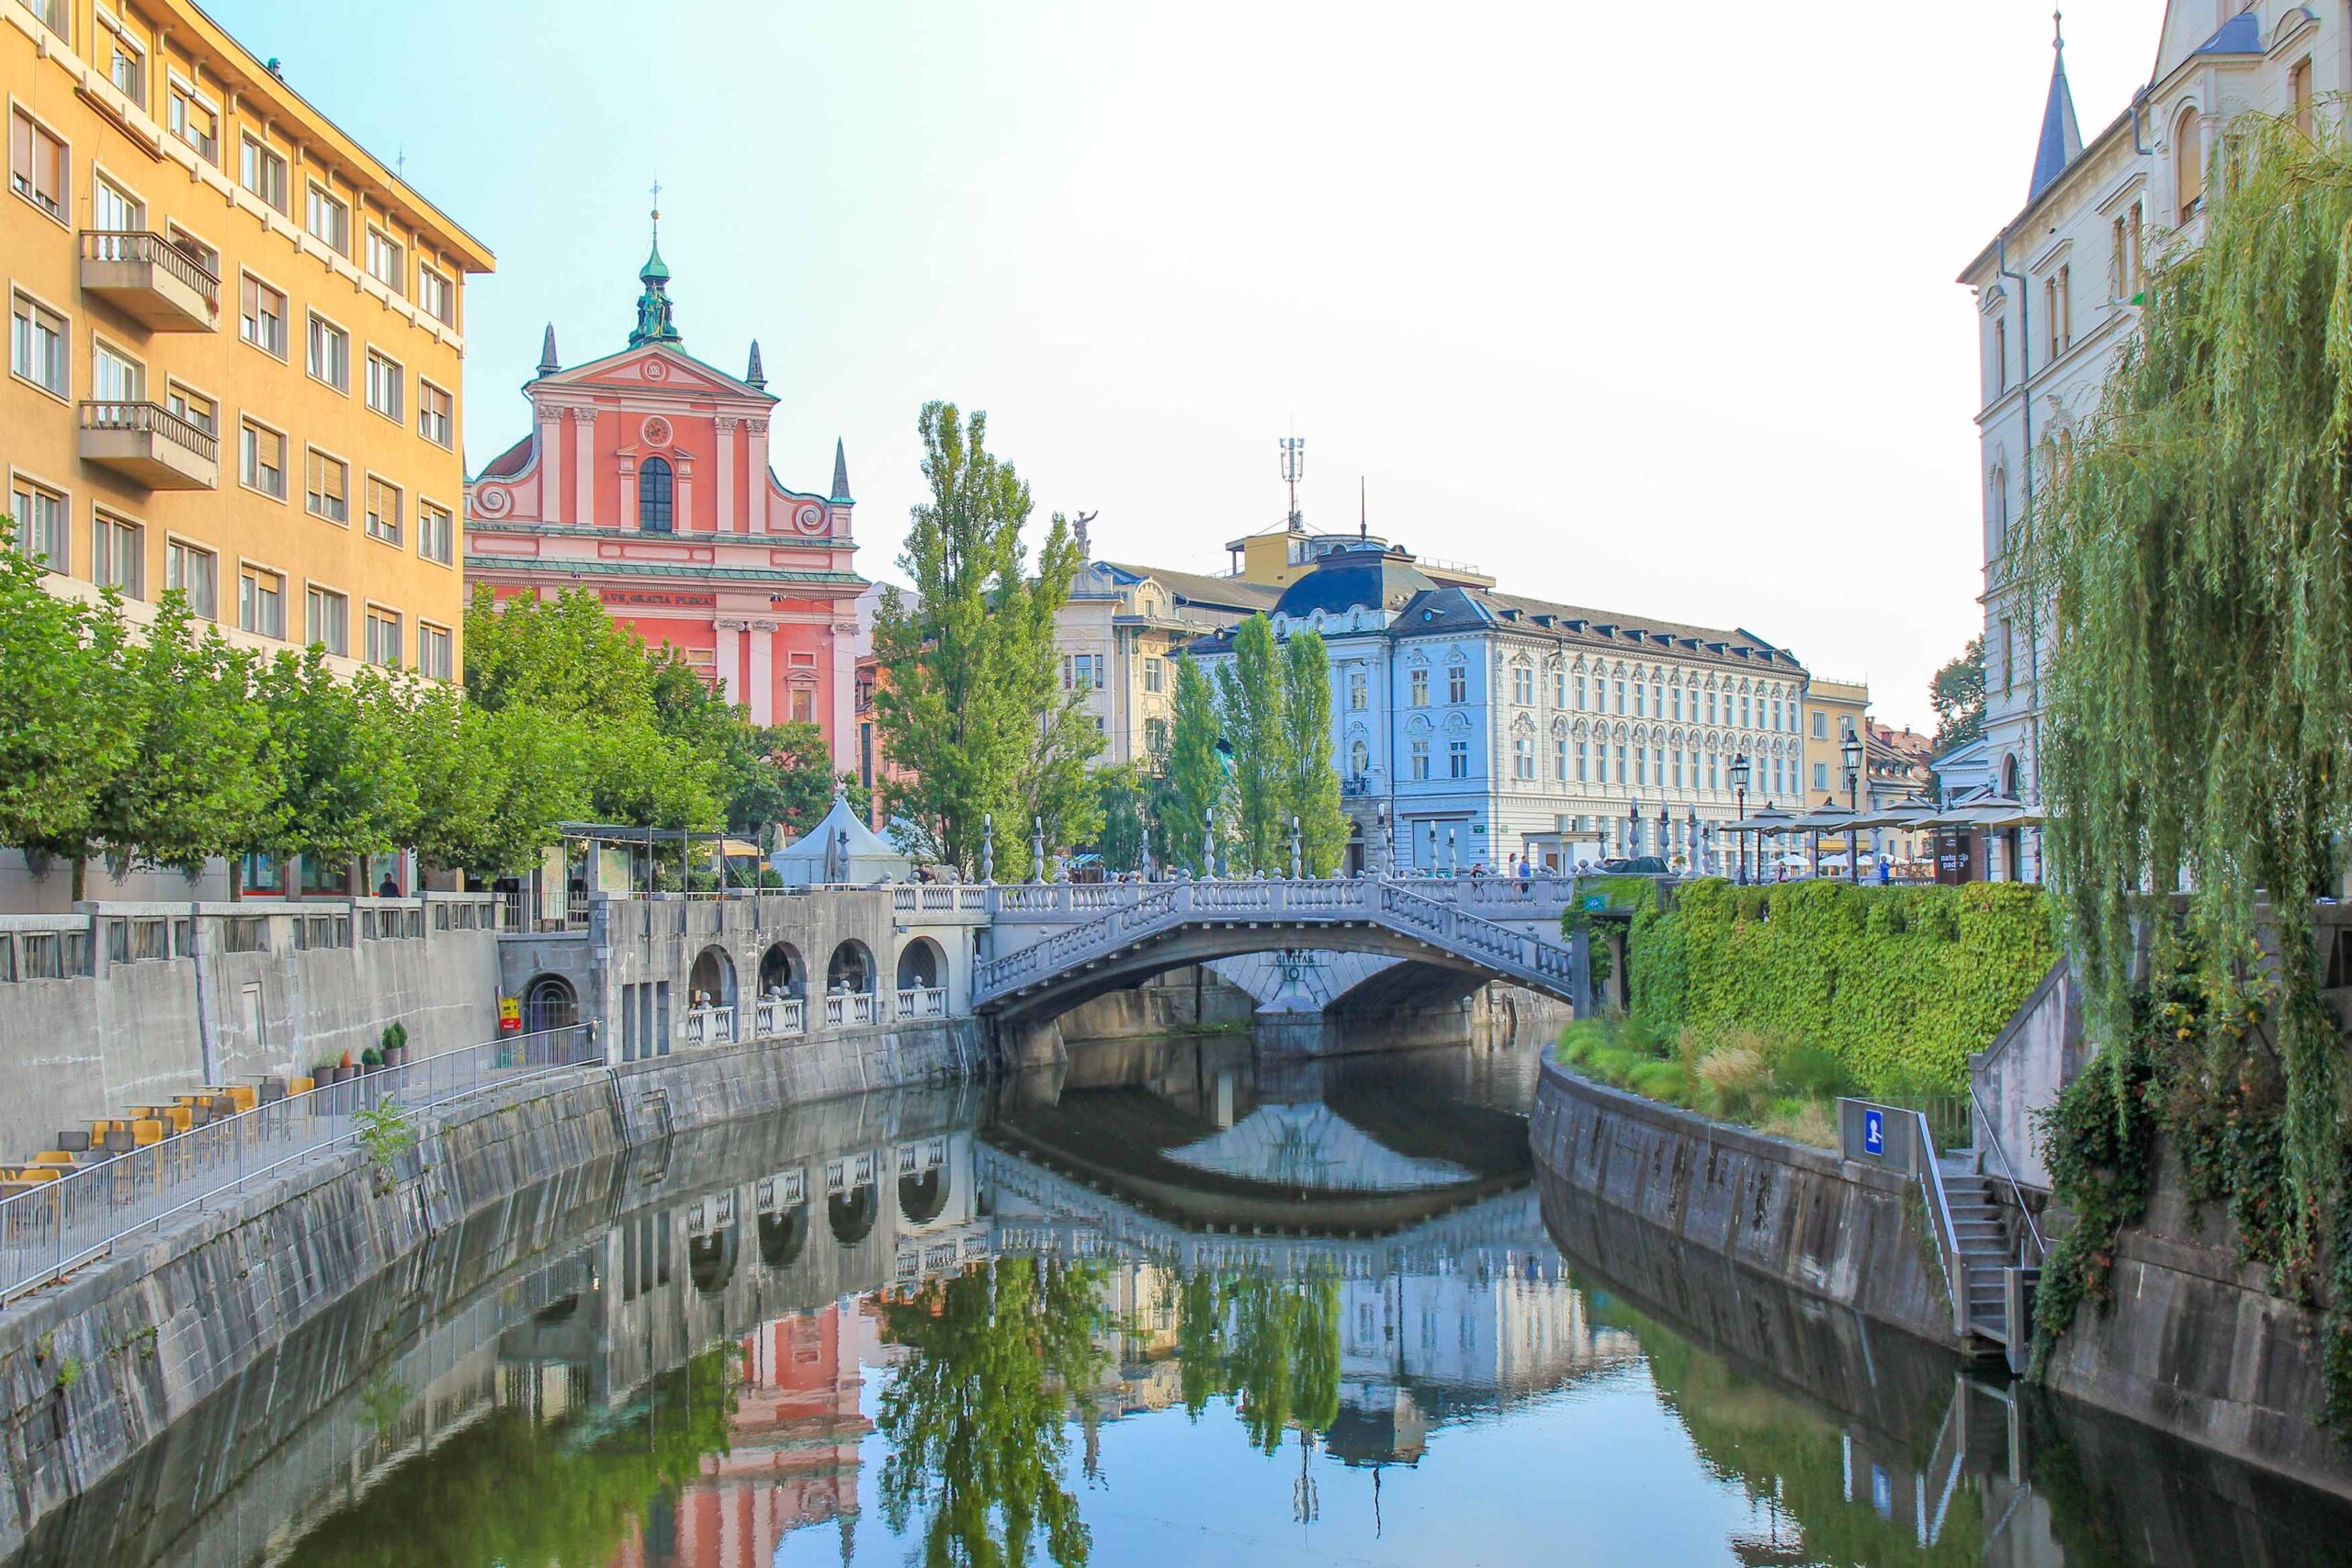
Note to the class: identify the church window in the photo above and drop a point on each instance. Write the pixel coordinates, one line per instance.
(653, 511)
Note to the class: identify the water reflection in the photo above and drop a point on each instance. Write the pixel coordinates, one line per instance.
(1177, 1307)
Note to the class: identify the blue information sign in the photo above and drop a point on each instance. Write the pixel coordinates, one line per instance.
(1874, 1132)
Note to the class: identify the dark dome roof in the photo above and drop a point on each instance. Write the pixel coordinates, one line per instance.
(1370, 579)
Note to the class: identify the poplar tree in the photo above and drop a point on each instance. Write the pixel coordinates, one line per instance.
(970, 707)
(1253, 697)
(1313, 783)
(1195, 776)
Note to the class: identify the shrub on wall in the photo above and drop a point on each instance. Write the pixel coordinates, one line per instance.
(1899, 983)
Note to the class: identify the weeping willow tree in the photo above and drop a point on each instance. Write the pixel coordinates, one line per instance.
(2191, 561)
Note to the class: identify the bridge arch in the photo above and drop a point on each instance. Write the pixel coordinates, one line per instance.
(783, 972)
(851, 969)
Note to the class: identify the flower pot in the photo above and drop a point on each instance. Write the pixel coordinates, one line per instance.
(396, 1057)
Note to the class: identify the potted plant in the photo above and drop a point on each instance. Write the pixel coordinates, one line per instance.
(396, 1044)
(370, 1059)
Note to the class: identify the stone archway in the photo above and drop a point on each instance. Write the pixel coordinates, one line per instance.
(850, 970)
(550, 1002)
(782, 971)
(922, 966)
(711, 982)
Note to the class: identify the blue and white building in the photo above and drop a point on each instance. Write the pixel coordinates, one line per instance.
(1470, 726)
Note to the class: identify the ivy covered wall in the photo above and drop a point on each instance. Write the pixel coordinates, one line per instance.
(1900, 983)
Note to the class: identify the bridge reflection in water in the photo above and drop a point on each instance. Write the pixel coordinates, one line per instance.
(923, 1325)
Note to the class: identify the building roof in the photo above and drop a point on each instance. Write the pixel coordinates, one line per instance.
(2242, 34)
(1209, 592)
(512, 461)
(1352, 580)
(2062, 139)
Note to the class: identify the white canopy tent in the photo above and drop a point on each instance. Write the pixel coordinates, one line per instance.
(840, 850)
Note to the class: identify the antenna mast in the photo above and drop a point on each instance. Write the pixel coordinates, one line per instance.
(1293, 467)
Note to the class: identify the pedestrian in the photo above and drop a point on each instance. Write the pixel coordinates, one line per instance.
(390, 889)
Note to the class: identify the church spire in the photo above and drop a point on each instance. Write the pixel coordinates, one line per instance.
(549, 362)
(2061, 139)
(756, 376)
(841, 473)
(653, 320)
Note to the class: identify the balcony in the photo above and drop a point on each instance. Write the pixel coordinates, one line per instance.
(150, 279)
(150, 444)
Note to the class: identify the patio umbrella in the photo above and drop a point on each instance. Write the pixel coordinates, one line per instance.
(1827, 817)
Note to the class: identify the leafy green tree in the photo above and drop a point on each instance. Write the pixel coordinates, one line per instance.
(977, 1417)
(783, 775)
(66, 710)
(491, 786)
(2193, 563)
(1314, 784)
(205, 778)
(1123, 797)
(1252, 698)
(1957, 693)
(970, 706)
(343, 787)
(1195, 776)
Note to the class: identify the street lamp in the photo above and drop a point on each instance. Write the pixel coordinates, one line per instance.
(1739, 788)
(1852, 750)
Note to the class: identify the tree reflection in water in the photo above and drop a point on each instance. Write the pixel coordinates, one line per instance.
(1272, 1346)
(534, 1494)
(977, 1416)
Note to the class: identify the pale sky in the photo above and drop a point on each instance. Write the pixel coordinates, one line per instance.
(1643, 307)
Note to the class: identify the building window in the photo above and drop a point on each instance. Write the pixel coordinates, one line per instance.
(1584, 762)
(326, 619)
(1359, 759)
(385, 261)
(262, 172)
(804, 706)
(114, 376)
(1621, 696)
(260, 316)
(1621, 764)
(1421, 759)
(2188, 164)
(1457, 759)
(327, 485)
(328, 218)
(37, 169)
(126, 63)
(2008, 656)
(653, 514)
(385, 391)
(383, 638)
(37, 344)
(1155, 673)
(119, 556)
(434, 409)
(1560, 759)
(41, 522)
(1821, 777)
(1522, 686)
(1523, 757)
(1359, 691)
(2001, 355)
(1641, 766)
(261, 602)
(1457, 684)
(196, 250)
(114, 211)
(384, 502)
(330, 353)
(194, 120)
(1418, 686)
(1820, 725)
(1637, 701)
(437, 294)
(1657, 699)
(1081, 673)
(437, 534)
(433, 659)
(2058, 307)
(2299, 94)
(262, 459)
(194, 407)
(194, 574)
(1155, 735)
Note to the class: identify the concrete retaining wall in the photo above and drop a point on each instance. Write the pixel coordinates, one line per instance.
(1799, 1215)
(94, 1368)
(2193, 1343)
(128, 1030)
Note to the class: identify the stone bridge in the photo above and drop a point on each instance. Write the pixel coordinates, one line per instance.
(1055, 947)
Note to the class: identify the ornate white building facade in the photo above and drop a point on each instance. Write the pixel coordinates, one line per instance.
(2058, 289)
(1470, 725)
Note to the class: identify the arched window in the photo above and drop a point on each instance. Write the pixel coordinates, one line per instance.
(1997, 513)
(653, 514)
(1359, 759)
(2187, 163)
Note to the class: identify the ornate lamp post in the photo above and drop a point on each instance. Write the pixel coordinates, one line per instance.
(1851, 748)
(1296, 864)
(1632, 829)
(1036, 849)
(1208, 842)
(1143, 856)
(1690, 842)
(1665, 831)
(987, 846)
(1739, 766)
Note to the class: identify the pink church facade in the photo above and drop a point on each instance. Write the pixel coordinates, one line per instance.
(645, 479)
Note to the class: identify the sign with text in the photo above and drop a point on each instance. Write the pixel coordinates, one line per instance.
(658, 599)
(510, 1014)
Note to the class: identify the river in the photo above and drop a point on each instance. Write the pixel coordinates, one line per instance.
(1183, 1304)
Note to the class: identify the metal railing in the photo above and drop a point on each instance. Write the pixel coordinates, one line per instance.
(2016, 1194)
(139, 245)
(153, 418)
(58, 1225)
(1908, 1146)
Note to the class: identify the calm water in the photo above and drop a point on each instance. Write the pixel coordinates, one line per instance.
(1181, 1307)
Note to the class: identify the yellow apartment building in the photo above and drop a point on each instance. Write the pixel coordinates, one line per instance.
(1832, 710)
(235, 340)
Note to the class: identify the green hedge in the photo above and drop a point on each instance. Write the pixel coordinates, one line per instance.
(1900, 983)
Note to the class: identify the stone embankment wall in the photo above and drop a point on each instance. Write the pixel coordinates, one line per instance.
(94, 1368)
(159, 999)
(2194, 1343)
(1803, 1216)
